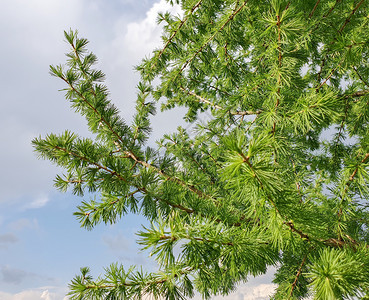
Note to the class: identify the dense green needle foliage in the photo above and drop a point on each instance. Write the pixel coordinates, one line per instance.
(277, 176)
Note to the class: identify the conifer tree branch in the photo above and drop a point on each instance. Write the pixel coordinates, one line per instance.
(279, 48)
(230, 193)
(321, 69)
(347, 186)
(349, 17)
(357, 94)
(111, 203)
(360, 77)
(303, 235)
(131, 155)
(228, 56)
(79, 62)
(297, 275)
(168, 177)
(290, 224)
(314, 8)
(175, 33)
(211, 86)
(204, 100)
(119, 138)
(99, 166)
(209, 241)
(341, 129)
(188, 61)
(114, 173)
(332, 8)
(351, 178)
(191, 158)
(330, 75)
(144, 287)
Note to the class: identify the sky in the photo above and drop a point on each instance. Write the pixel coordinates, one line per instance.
(42, 246)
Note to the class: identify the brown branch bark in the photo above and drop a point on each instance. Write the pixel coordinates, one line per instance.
(330, 75)
(315, 6)
(332, 8)
(349, 17)
(360, 77)
(297, 276)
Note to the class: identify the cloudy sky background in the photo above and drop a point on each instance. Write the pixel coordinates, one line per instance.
(42, 246)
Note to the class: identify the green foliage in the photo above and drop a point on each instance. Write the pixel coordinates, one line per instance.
(277, 176)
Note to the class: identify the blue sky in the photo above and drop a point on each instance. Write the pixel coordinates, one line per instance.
(42, 245)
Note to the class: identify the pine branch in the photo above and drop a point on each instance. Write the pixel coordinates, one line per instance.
(341, 129)
(168, 177)
(360, 77)
(81, 68)
(314, 8)
(131, 284)
(351, 178)
(211, 86)
(112, 203)
(114, 173)
(130, 154)
(193, 160)
(204, 100)
(210, 39)
(347, 186)
(349, 17)
(175, 33)
(297, 275)
(303, 235)
(99, 166)
(330, 74)
(357, 94)
(279, 47)
(332, 8)
(99, 114)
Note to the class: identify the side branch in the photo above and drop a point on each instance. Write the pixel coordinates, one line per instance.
(330, 75)
(351, 178)
(175, 32)
(204, 100)
(315, 6)
(349, 17)
(358, 94)
(332, 8)
(212, 37)
(168, 177)
(94, 109)
(114, 173)
(297, 276)
(360, 77)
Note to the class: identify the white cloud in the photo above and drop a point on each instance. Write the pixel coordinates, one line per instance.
(46, 293)
(135, 40)
(37, 202)
(248, 292)
(131, 43)
(144, 36)
(260, 292)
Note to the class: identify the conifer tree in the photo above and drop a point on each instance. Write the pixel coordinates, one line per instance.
(278, 176)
